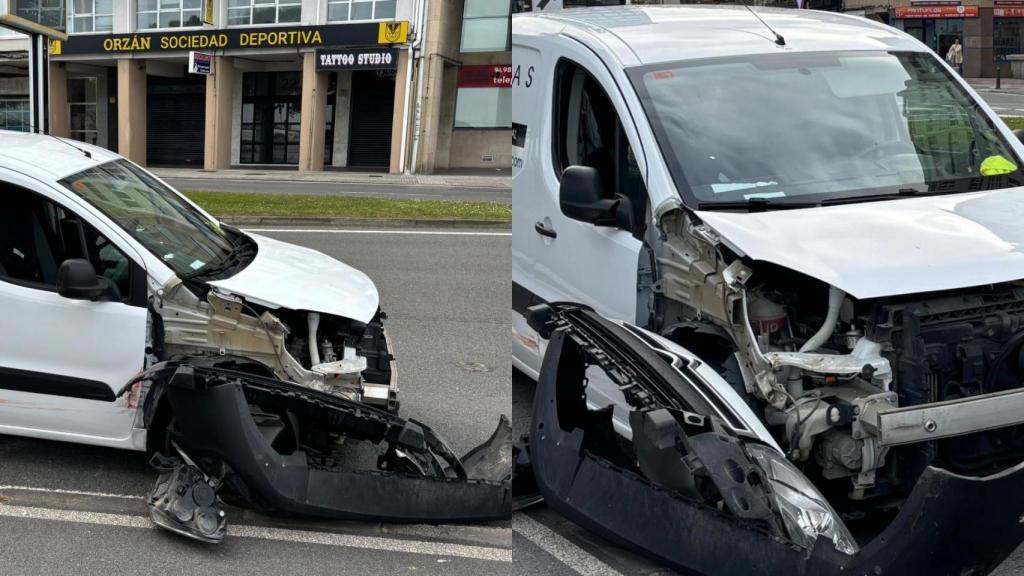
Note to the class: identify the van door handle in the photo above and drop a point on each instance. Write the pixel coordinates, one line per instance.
(545, 230)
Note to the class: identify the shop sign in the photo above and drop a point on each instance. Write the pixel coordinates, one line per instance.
(359, 34)
(935, 3)
(937, 12)
(357, 59)
(486, 76)
(1008, 12)
(199, 63)
(1009, 2)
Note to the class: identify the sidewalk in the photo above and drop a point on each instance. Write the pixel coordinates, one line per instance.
(373, 178)
(1008, 85)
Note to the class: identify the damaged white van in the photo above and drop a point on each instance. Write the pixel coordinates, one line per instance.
(131, 318)
(817, 227)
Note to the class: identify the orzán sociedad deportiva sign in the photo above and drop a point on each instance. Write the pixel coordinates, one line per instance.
(369, 33)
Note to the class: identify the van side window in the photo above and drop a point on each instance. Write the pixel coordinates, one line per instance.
(37, 235)
(589, 133)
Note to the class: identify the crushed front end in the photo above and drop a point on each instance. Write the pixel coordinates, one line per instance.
(697, 486)
(274, 445)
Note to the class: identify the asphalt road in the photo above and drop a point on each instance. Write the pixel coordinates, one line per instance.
(73, 509)
(501, 195)
(1005, 102)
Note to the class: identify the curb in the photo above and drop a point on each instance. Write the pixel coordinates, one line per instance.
(369, 181)
(364, 222)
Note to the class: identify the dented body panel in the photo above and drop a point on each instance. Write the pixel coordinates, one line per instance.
(284, 275)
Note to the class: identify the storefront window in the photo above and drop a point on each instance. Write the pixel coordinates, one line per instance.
(82, 109)
(245, 12)
(169, 13)
(14, 113)
(483, 108)
(342, 10)
(14, 104)
(485, 26)
(271, 115)
(90, 15)
(1007, 37)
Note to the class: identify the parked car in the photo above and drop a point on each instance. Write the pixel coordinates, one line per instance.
(778, 253)
(133, 319)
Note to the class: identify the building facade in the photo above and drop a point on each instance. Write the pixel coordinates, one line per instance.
(310, 84)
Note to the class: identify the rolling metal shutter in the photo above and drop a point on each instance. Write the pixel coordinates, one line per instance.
(175, 120)
(373, 108)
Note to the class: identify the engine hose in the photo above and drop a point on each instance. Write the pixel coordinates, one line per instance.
(1004, 352)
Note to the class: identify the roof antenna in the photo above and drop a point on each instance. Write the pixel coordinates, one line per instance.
(37, 130)
(778, 37)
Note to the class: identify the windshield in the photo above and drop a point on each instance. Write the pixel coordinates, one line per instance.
(153, 214)
(820, 126)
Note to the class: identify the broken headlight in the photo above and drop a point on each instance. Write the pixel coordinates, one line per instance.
(805, 512)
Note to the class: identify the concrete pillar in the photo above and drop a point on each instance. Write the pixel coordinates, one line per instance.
(59, 121)
(220, 97)
(400, 112)
(313, 126)
(131, 110)
(433, 91)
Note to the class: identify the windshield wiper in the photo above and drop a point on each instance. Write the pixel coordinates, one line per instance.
(901, 193)
(228, 261)
(755, 204)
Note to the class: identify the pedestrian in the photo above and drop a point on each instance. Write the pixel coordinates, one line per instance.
(955, 56)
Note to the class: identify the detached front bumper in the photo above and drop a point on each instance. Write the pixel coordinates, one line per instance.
(950, 525)
(221, 424)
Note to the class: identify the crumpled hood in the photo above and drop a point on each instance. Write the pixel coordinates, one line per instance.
(288, 276)
(890, 247)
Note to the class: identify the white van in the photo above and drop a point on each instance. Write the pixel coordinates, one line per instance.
(106, 271)
(813, 205)
(131, 318)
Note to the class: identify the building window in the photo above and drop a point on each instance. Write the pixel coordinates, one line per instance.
(344, 10)
(169, 13)
(1007, 38)
(15, 111)
(245, 12)
(50, 13)
(90, 16)
(485, 26)
(82, 109)
(271, 116)
(483, 108)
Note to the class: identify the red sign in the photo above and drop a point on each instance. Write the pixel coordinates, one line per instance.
(937, 12)
(486, 76)
(1008, 12)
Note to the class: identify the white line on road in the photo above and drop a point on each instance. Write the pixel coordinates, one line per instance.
(70, 492)
(276, 534)
(410, 232)
(561, 548)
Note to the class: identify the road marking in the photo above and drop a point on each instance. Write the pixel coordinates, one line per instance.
(581, 561)
(409, 232)
(277, 534)
(70, 492)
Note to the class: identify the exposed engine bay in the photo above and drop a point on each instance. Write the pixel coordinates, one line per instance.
(863, 395)
(326, 353)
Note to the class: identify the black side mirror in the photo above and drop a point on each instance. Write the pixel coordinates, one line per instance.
(77, 279)
(581, 197)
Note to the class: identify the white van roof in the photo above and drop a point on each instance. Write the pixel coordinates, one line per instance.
(639, 35)
(48, 158)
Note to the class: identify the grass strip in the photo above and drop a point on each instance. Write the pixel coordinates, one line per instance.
(225, 204)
